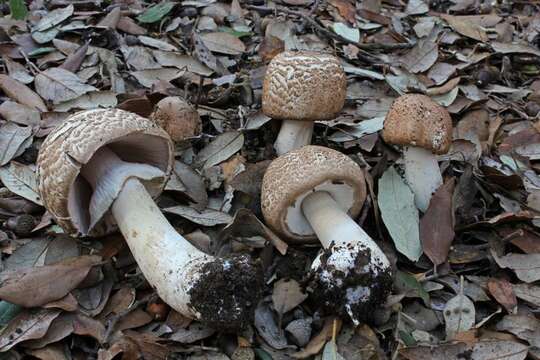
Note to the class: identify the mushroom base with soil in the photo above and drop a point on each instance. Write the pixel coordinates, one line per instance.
(352, 274)
(221, 292)
(422, 173)
(293, 135)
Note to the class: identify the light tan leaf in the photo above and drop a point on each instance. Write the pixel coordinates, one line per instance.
(149, 77)
(19, 113)
(287, 295)
(21, 180)
(60, 85)
(466, 27)
(223, 43)
(13, 141)
(21, 93)
(181, 61)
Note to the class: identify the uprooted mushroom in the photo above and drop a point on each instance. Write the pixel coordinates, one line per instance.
(424, 128)
(100, 170)
(315, 192)
(300, 88)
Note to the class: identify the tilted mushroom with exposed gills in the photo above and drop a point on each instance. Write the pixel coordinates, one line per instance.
(424, 128)
(301, 87)
(99, 170)
(315, 192)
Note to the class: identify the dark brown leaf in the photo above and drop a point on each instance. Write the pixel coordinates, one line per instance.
(36, 286)
(437, 224)
(503, 292)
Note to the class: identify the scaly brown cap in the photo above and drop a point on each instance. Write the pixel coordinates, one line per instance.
(179, 119)
(416, 120)
(292, 176)
(71, 145)
(304, 85)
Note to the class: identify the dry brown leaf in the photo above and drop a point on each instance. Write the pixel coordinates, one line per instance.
(37, 286)
(443, 89)
(466, 27)
(317, 343)
(345, 9)
(21, 93)
(270, 47)
(437, 224)
(503, 292)
(31, 324)
(223, 43)
(57, 85)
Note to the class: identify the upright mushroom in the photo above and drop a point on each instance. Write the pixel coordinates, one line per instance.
(315, 192)
(178, 118)
(100, 169)
(301, 88)
(424, 128)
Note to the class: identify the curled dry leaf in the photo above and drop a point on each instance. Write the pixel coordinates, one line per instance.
(39, 285)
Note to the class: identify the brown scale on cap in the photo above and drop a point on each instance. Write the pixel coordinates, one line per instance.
(71, 145)
(416, 120)
(179, 119)
(304, 85)
(300, 171)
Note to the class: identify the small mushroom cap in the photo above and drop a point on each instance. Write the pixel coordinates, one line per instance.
(72, 144)
(179, 119)
(294, 175)
(304, 85)
(416, 120)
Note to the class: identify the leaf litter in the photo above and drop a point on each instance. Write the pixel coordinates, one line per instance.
(479, 59)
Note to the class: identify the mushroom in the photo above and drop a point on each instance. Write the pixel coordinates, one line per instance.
(315, 192)
(99, 170)
(179, 119)
(424, 128)
(301, 88)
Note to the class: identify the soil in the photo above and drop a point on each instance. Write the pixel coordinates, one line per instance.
(227, 292)
(332, 296)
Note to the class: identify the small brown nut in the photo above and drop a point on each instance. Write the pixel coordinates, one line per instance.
(178, 118)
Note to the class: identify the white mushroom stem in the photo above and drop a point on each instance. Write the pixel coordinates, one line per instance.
(167, 260)
(293, 135)
(422, 173)
(334, 226)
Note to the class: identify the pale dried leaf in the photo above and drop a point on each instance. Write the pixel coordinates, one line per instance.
(21, 180)
(60, 85)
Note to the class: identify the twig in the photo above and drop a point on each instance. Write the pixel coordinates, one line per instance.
(113, 320)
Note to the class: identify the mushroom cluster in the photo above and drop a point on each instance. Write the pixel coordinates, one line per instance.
(301, 87)
(315, 192)
(424, 129)
(100, 170)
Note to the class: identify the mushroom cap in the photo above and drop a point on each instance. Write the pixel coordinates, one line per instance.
(70, 145)
(179, 119)
(416, 120)
(294, 175)
(304, 85)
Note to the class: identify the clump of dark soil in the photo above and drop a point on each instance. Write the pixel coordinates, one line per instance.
(331, 285)
(227, 292)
